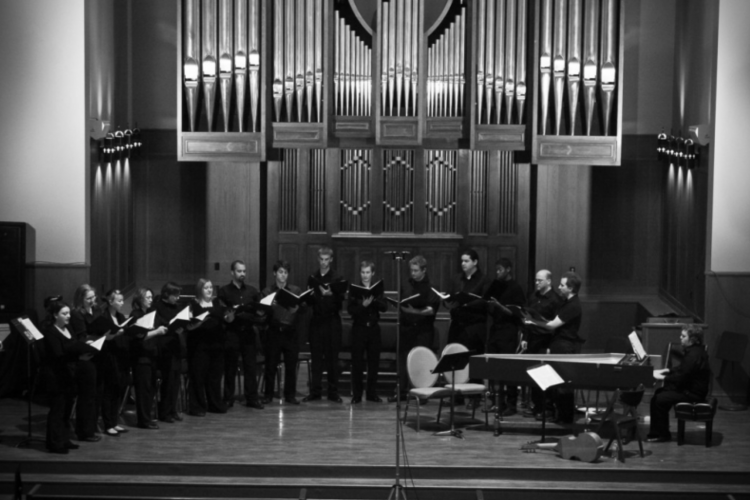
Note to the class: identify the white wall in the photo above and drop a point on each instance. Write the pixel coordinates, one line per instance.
(43, 130)
(730, 205)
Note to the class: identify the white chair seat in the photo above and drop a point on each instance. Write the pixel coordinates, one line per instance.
(430, 392)
(468, 388)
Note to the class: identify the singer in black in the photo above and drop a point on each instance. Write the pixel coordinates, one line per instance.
(240, 335)
(417, 319)
(325, 328)
(170, 352)
(544, 302)
(143, 358)
(469, 321)
(503, 336)
(112, 364)
(282, 336)
(64, 379)
(365, 313)
(205, 346)
(82, 316)
(566, 340)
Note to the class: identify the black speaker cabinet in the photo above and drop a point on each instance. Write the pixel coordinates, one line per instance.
(16, 249)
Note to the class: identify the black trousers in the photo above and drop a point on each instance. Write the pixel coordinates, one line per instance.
(241, 345)
(325, 344)
(365, 339)
(563, 396)
(61, 390)
(205, 371)
(111, 383)
(504, 340)
(170, 368)
(84, 376)
(663, 401)
(144, 382)
(281, 340)
(410, 337)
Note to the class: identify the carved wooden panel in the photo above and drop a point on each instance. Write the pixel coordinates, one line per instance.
(398, 191)
(440, 189)
(356, 206)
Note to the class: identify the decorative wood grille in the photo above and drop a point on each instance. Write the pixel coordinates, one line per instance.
(398, 191)
(355, 202)
(440, 190)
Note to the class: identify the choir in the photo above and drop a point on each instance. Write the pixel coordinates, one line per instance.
(93, 350)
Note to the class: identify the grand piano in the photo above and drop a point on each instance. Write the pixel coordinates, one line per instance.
(607, 371)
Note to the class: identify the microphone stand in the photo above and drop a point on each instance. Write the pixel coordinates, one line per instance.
(397, 490)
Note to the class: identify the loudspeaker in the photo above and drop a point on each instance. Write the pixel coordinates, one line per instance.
(13, 257)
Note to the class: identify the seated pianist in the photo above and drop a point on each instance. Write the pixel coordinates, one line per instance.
(686, 383)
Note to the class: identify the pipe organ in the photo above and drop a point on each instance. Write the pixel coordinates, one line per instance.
(406, 118)
(535, 76)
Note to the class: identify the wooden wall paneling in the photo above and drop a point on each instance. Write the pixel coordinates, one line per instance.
(233, 219)
(523, 271)
(292, 253)
(52, 279)
(626, 207)
(563, 219)
(112, 251)
(169, 213)
(725, 311)
(272, 213)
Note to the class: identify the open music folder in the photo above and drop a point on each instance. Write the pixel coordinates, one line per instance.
(545, 376)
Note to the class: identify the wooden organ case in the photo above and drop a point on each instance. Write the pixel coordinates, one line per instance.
(400, 124)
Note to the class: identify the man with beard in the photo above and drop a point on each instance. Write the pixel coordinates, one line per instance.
(239, 299)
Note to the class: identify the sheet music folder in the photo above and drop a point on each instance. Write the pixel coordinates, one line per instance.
(450, 362)
(545, 376)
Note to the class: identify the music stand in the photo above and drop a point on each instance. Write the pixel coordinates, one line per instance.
(545, 376)
(30, 341)
(451, 363)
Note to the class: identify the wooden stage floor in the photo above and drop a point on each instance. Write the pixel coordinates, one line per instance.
(322, 445)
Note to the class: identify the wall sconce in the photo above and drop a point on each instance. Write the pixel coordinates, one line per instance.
(677, 150)
(661, 146)
(119, 143)
(124, 144)
(108, 147)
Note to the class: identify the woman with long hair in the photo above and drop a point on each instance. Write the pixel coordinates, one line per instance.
(205, 344)
(143, 357)
(82, 316)
(169, 352)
